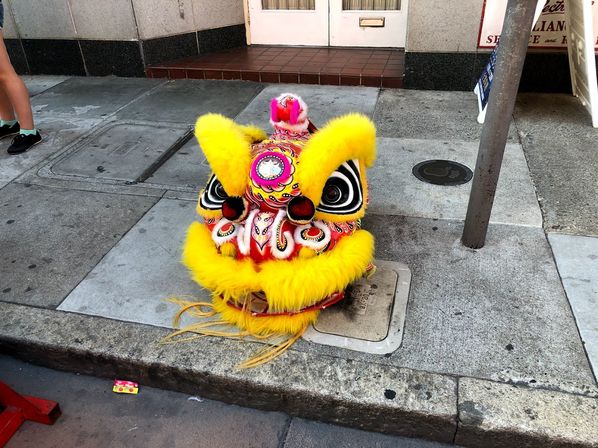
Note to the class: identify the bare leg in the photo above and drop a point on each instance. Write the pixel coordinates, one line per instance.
(6, 111)
(14, 90)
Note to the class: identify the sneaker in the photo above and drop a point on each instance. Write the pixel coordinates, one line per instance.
(8, 130)
(22, 143)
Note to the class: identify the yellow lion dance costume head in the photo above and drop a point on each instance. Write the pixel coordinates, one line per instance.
(281, 238)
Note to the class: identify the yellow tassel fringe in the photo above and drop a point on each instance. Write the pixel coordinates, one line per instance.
(239, 324)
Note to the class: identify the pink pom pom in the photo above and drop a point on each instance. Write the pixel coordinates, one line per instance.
(295, 111)
(274, 110)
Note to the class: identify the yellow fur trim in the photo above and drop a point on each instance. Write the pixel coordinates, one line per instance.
(220, 274)
(301, 282)
(254, 134)
(227, 148)
(288, 285)
(306, 252)
(228, 250)
(352, 136)
(263, 326)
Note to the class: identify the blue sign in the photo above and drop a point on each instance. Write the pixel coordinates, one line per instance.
(485, 81)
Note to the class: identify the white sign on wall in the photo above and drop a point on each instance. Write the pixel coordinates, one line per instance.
(549, 31)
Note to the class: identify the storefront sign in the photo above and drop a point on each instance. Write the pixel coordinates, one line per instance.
(548, 32)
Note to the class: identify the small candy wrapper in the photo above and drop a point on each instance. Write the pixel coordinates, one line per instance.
(125, 387)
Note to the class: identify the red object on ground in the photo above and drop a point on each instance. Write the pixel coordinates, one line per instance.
(16, 408)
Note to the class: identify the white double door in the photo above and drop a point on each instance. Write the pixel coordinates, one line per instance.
(353, 23)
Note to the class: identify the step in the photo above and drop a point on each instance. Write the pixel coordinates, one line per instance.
(370, 67)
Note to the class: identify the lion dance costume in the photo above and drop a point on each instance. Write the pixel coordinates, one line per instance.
(281, 238)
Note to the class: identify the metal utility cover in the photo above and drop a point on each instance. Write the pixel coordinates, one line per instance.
(120, 151)
(371, 318)
(442, 172)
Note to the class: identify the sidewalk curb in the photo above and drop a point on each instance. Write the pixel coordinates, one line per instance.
(398, 401)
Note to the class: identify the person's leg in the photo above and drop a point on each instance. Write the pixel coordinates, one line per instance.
(6, 111)
(15, 91)
(9, 126)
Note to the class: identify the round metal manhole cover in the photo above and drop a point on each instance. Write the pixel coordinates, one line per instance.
(442, 172)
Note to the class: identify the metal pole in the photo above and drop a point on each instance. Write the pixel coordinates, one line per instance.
(509, 65)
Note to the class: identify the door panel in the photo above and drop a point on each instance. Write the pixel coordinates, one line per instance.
(346, 17)
(289, 22)
(328, 22)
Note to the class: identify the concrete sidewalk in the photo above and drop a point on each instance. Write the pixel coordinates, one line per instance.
(498, 344)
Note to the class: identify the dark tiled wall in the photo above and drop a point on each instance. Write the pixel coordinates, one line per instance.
(54, 57)
(17, 55)
(169, 48)
(118, 58)
(542, 72)
(121, 58)
(221, 38)
(442, 71)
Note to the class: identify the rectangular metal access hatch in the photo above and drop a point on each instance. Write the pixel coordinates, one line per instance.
(372, 316)
(119, 152)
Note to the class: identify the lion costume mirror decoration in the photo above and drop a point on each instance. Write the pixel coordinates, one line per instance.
(281, 238)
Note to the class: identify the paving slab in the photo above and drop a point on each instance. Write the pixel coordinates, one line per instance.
(51, 238)
(154, 418)
(560, 145)
(335, 390)
(180, 194)
(498, 313)
(309, 434)
(89, 97)
(430, 114)
(134, 280)
(182, 101)
(498, 415)
(40, 83)
(577, 260)
(324, 103)
(396, 191)
(57, 134)
(186, 168)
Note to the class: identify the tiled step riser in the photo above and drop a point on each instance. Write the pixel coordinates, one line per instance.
(371, 67)
(271, 77)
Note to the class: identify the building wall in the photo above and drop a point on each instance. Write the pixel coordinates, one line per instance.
(442, 54)
(121, 37)
(443, 26)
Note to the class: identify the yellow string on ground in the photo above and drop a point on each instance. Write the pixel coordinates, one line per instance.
(194, 308)
(268, 354)
(205, 310)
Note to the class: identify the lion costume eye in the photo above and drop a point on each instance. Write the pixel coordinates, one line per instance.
(214, 195)
(342, 193)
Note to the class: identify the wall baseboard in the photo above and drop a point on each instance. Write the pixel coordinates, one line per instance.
(542, 72)
(113, 57)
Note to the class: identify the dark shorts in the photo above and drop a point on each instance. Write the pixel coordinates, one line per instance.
(1, 15)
